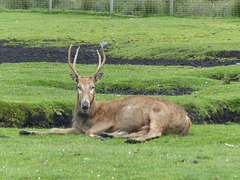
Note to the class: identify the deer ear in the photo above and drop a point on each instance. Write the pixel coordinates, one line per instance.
(98, 77)
(74, 78)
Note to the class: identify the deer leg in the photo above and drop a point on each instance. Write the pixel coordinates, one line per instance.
(117, 133)
(155, 130)
(98, 128)
(122, 134)
(148, 136)
(51, 131)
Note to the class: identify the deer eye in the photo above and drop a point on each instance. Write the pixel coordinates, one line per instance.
(92, 88)
(79, 88)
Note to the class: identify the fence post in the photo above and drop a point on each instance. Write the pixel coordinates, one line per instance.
(111, 7)
(50, 5)
(171, 7)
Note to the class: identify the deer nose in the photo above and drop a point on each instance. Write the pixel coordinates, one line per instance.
(85, 106)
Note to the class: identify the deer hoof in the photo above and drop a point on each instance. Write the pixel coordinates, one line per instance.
(104, 134)
(25, 133)
(122, 133)
(132, 141)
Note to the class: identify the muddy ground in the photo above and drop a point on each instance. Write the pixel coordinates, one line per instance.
(17, 54)
(88, 55)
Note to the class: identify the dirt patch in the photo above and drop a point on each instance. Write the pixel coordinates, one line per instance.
(168, 92)
(228, 54)
(63, 120)
(220, 117)
(88, 55)
(40, 120)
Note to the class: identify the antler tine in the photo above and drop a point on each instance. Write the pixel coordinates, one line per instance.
(104, 57)
(75, 59)
(100, 62)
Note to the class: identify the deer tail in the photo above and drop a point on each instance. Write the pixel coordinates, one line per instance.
(187, 127)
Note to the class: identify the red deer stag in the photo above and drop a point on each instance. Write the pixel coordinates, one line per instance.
(141, 117)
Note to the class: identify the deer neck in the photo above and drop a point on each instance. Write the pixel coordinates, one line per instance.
(93, 107)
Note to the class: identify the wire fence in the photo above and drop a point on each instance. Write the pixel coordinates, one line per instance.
(213, 8)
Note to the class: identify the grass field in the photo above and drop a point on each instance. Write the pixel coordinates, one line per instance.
(208, 152)
(152, 37)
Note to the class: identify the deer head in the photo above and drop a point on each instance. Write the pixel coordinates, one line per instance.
(86, 84)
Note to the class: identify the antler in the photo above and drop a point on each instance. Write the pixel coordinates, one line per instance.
(100, 62)
(74, 61)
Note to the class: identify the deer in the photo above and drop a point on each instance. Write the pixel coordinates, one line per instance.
(136, 118)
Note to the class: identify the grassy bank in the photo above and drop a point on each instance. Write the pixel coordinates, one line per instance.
(47, 88)
(208, 152)
(152, 37)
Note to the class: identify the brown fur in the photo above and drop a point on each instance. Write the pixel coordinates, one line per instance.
(141, 117)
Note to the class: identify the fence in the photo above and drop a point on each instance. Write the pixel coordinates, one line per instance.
(135, 7)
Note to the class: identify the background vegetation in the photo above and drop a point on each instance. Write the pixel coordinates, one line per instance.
(135, 7)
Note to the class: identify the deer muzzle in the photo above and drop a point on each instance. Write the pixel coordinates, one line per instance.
(85, 106)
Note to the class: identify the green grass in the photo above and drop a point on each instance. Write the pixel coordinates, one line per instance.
(80, 157)
(149, 37)
(48, 86)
